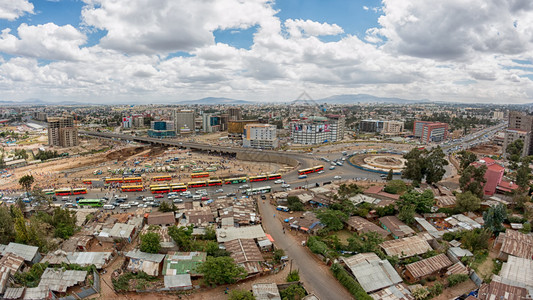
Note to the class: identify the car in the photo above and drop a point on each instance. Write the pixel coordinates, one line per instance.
(79, 198)
(219, 191)
(285, 185)
(337, 177)
(231, 195)
(140, 197)
(279, 181)
(204, 198)
(339, 164)
(105, 198)
(134, 203)
(263, 197)
(65, 198)
(244, 186)
(177, 200)
(332, 168)
(321, 172)
(120, 200)
(150, 198)
(302, 176)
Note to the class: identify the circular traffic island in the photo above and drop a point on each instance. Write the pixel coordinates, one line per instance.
(379, 162)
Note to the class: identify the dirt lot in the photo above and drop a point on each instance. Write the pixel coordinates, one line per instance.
(487, 149)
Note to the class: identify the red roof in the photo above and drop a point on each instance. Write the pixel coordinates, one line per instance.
(507, 186)
(496, 168)
(374, 189)
(488, 161)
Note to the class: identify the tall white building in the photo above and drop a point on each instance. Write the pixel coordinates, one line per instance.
(263, 136)
(317, 130)
(184, 121)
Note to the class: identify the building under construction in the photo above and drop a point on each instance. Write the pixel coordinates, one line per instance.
(62, 131)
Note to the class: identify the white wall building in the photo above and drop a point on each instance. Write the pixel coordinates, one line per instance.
(262, 136)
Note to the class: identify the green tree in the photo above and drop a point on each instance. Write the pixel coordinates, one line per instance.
(473, 180)
(407, 214)
(293, 276)
(523, 175)
(277, 255)
(526, 228)
(294, 204)
(221, 270)
(333, 220)
(241, 295)
(181, 236)
(21, 153)
(293, 292)
(494, 218)
(366, 242)
(465, 159)
(390, 175)
(7, 230)
(150, 242)
(167, 207)
(395, 187)
(435, 162)
(415, 166)
(212, 249)
(475, 240)
(514, 150)
(422, 201)
(468, 202)
(26, 181)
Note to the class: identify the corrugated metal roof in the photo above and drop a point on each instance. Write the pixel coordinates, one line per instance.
(266, 291)
(518, 269)
(183, 262)
(24, 251)
(59, 280)
(121, 230)
(233, 233)
(364, 226)
(99, 259)
(244, 250)
(498, 290)
(4, 276)
(137, 254)
(178, 281)
(12, 261)
(373, 273)
(161, 218)
(397, 227)
(457, 268)
(517, 244)
(428, 266)
(396, 292)
(406, 247)
(13, 293)
(459, 252)
(36, 293)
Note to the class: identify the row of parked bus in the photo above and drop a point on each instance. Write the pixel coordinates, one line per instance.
(66, 192)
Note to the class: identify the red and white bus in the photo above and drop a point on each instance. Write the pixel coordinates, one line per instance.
(274, 176)
(132, 180)
(160, 190)
(132, 188)
(199, 175)
(311, 170)
(88, 181)
(63, 192)
(162, 178)
(257, 178)
(214, 182)
(178, 187)
(196, 184)
(79, 191)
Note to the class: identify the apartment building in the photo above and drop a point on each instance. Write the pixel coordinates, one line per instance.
(62, 132)
(263, 136)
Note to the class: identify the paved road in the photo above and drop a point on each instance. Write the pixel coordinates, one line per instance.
(316, 278)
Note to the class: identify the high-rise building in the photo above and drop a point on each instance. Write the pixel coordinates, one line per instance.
(317, 130)
(519, 126)
(370, 125)
(236, 128)
(263, 136)
(184, 122)
(162, 129)
(210, 123)
(235, 114)
(127, 122)
(430, 131)
(138, 121)
(62, 131)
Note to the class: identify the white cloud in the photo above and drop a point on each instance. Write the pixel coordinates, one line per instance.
(310, 28)
(47, 41)
(13, 9)
(365, 7)
(165, 26)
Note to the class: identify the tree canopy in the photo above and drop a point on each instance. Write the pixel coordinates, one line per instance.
(333, 220)
(424, 164)
(150, 242)
(421, 201)
(465, 159)
(473, 180)
(221, 270)
(494, 218)
(468, 202)
(26, 181)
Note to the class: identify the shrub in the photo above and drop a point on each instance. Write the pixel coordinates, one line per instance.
(293, 292)
(277, 255)
(436, 289)
(317, 246)
(293, 276)
(241, 295)
(349, 282)
(455, 279)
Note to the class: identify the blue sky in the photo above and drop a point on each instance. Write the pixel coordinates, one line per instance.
(166, 50)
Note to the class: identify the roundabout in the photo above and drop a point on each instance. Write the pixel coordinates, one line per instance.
(380, 163)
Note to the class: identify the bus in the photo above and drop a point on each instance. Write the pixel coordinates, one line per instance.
(158, 185)
(197, 170)
(90, 202)
(114, 180)
(196, 184)
(235, 180)
(63, 192)
(257, 178)
(211, 169)
(260, 190)
(310, 170)
(132, 188)
(132, 180)
(178, 188)
(214, 182)
(160, 190)
(273, 176)
(48, 191)
(88, 181)
(79, 191)
(199, 175)
(162, 178)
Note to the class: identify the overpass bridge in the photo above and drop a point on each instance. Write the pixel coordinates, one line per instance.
(248, 154)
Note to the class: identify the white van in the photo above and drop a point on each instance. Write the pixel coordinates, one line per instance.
(109, 206)
(196, 197)
(125, 206)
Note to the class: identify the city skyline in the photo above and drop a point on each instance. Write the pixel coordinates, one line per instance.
(99, 51)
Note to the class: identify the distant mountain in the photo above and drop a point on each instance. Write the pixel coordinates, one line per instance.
(215, 101)
(364, 98)
(34, 101)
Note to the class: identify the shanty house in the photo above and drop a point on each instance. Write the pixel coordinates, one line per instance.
(426, 267)
(146, 262)
(371, 272)
(406, 247)
(397, 228)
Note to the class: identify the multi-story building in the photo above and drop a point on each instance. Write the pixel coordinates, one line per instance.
(234, 114)
(138, 121)
(519, 126)
(162, 129)
(127, 122)
(498, 115)
(316, 130)
(236, 128)
(62, 131)
(40, 116)
(384, 127)
(262, 136)
(184, 122)
(430, 131)
(210, 123)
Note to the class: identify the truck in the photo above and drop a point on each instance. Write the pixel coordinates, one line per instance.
(282, 208)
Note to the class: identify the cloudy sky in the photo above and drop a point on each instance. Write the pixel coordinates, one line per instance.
(115, 51)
